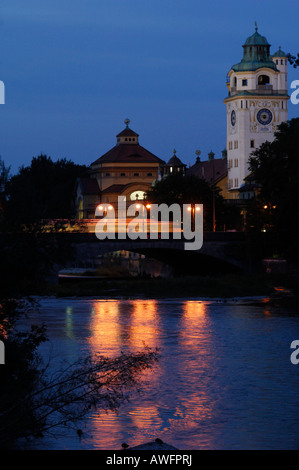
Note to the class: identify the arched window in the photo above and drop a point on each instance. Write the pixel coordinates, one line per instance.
(137, 195)
(263, 80)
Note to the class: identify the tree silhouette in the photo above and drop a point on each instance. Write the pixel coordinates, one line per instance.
(293, 60)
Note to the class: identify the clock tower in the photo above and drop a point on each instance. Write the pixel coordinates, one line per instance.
(256, 104)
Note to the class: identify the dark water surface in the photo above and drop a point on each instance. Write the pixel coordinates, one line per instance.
(224, 379)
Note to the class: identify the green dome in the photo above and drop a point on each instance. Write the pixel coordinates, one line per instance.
(256, 40)
(279, 53)
(256, 54)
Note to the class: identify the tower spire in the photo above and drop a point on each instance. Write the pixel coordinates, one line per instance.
(255, 24)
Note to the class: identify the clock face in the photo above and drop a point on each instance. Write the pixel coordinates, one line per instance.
(233, 117)
(264, 116)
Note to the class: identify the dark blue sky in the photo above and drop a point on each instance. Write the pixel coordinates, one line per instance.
(74, 70)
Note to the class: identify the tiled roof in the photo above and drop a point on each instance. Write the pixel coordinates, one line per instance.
(128, 153)
(127, 132)
(210, 171)
(115, 188)
(175, 161)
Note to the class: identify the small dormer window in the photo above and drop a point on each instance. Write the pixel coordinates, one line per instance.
(244, 82)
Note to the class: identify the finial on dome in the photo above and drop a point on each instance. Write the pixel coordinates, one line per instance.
(255, 23)
(127, 122)
(174, 151)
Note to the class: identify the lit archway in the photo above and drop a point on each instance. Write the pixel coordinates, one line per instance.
(137, 195)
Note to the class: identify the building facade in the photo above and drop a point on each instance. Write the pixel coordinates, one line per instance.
(256, 104)
(127, 170)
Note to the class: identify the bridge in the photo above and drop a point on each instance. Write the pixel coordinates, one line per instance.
(219, 251)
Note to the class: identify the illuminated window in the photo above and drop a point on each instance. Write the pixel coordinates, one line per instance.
(137, 195)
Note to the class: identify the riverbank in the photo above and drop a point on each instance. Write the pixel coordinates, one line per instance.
(227, 286)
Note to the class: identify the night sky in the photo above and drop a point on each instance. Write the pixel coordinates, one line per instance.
(74, 70)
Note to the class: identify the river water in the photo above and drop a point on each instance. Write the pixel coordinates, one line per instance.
(224, 379)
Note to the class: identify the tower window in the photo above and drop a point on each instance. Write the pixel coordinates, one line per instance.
(235, 144)
(123, 174)
(276, 61)
(252, 144)
(281, 62)
(107, 174)
(149, 174)
(236, 182)
(244, 82)
(263, 80)
(136, 174)
(236, 162)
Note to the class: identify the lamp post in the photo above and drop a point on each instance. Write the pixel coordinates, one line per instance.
(268, 208)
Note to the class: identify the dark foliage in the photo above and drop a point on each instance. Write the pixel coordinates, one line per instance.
(293, 60)
(43, 190)
(181, 189)
(276, 168)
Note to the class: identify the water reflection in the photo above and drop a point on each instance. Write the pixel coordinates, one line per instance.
(176, 394)
(105, 328)
(224, 379)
